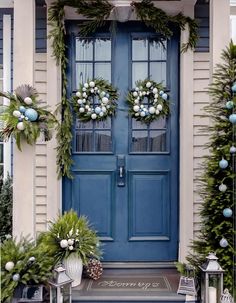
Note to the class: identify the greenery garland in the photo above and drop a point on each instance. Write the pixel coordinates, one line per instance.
(156, 105)
(98, 92)
(24, 119)
(97, 12)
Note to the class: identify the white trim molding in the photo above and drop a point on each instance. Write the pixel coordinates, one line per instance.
(6, 4)
(24, 162)
(6, 86)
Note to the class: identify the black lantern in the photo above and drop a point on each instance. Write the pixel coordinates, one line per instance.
(211, 280)
(60, 286)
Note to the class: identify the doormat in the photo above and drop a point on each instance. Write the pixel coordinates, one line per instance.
(122, 284)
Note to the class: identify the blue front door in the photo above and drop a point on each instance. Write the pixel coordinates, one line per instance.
(137, 220)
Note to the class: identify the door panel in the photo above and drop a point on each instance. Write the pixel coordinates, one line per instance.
(126, 172)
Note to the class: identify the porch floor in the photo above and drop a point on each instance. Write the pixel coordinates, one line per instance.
(130, 285)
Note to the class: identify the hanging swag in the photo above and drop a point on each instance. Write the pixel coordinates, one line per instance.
(97, 12)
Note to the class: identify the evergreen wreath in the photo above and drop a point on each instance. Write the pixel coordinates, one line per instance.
(95, 100)
(97, 12)
(148, 101)
(24, 119)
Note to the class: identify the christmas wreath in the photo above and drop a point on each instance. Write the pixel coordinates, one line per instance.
(95, 100)
(148, 101)
(23, 118)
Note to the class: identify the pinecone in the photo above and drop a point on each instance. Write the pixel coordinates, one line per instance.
(94, 269)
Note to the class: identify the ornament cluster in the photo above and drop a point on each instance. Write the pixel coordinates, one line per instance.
(72, 241)
(95, 100)
(224, 164)
(25, 114)
(10, 267)
(23, 118)
(148, 101)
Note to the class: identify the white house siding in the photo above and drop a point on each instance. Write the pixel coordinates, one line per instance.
(200, 98)
(40, 83)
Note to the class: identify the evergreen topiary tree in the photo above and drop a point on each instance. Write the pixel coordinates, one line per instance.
(217, 184)
(6, 208)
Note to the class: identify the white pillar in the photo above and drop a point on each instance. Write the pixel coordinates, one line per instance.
(186, 143)
(7, 85)
(54, 205)
(24, 162)
(219, 29)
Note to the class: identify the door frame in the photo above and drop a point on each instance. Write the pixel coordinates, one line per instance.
(185, 131)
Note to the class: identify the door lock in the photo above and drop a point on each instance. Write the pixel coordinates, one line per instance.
(120, 170)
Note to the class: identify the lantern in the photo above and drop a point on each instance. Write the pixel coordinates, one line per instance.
(211, 280)
(60, 286)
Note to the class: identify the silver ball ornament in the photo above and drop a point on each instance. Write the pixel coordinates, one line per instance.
(64, 243)
(224, 243)
(16, 277)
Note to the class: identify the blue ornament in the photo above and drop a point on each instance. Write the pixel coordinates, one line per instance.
(234, 88)
(232, 149)
(227, 212)
(161, 92)
(16, 277)
(232, 118)
(31, 114)
(223, 163)
(223, 243)
(229, 104)
(22, 109)
(98, 110)
(164, 96)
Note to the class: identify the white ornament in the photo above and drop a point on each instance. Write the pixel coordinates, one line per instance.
(155, 90)
(142, 106)
(105, 100)
(136, 101)
(32, 259)
(28, 100)
(104, 109)
(157, 112)
(81, 110)
(137, 89)
(144, 93)
(20, 126)
(16, 277)
(64, 243)
(143, 114)
(136, 114)
(135, 94)
(92, 90)
(78, 94)
(86, 85)
(16, 113)
(103, 94)
(87, 106)
(101, 114)
(84, 100)
(148, 93)
(9, 266)
(91, 84)
(22, 116)
(159, 107)
(93, 116)
(84, 89)
(222, 187)
(140, 94)
(84, 95)
(152, 110)
(156, 96)
(79, 101)
(71, 247)
(136, 108)
(95, 88)
(97, 110)
(148, 84)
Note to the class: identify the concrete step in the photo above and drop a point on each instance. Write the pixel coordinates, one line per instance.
(136, 285)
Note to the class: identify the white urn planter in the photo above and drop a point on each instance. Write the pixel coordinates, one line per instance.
(74, 267)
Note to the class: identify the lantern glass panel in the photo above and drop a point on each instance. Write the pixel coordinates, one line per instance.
(53, 295)
(214, 288)
(66, 293)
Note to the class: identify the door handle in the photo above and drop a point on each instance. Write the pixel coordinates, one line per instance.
(120, 170)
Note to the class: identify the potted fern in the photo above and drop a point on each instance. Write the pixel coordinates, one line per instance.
(70, 240)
